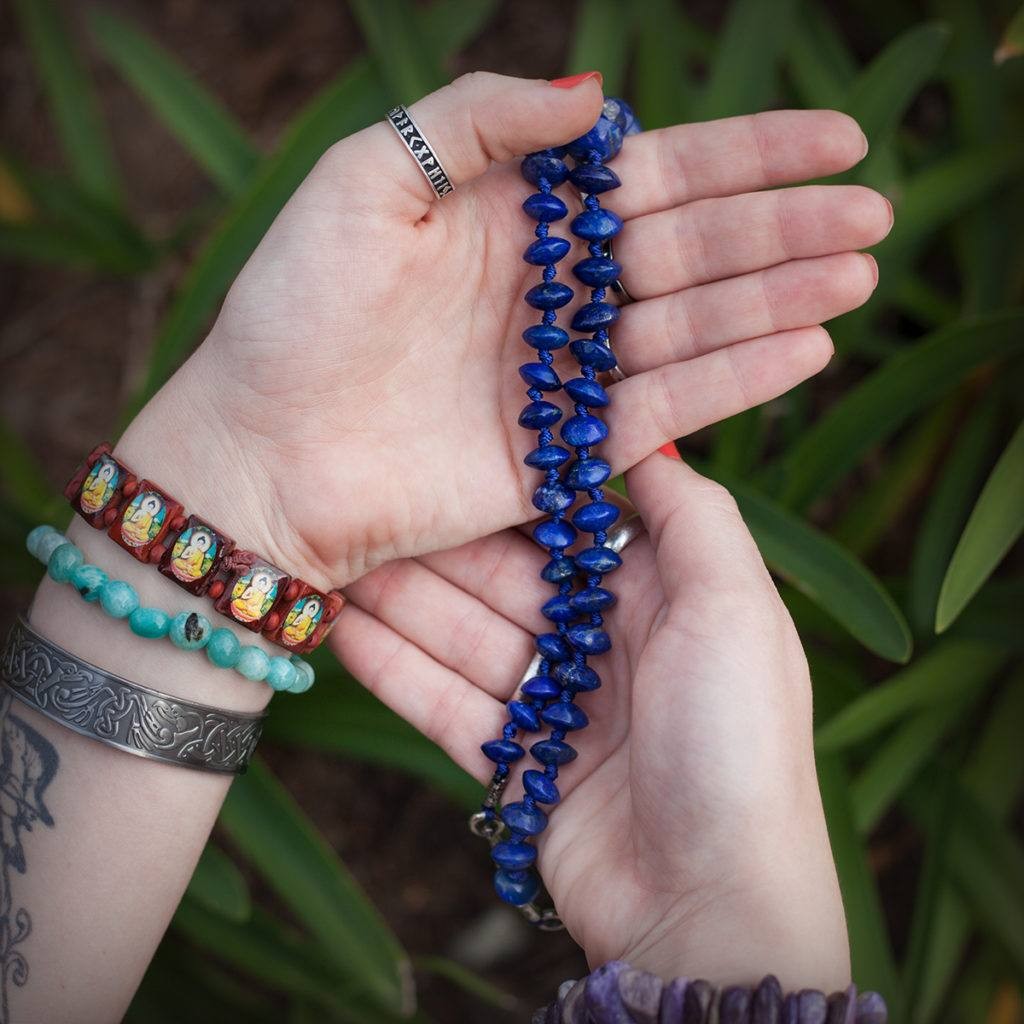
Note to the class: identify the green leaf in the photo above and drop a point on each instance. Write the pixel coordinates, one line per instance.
(342, 717)
(283, 845)
(823, 570)
(71, 98)
(992, 529)
(195, 117)
(661, 85)
(881, 403)
(951, 671)
(22, 480)
(218, 886)
(738, 442)
(818, 59)
(600, 42)
(408, 69)
(744, 73)
(1012, 43)
(882, 92)
(449, 25)
(350, 103)
(469, 981)
(946, 512)
(870, 950)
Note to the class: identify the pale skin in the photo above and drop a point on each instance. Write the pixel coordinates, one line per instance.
(353, 411)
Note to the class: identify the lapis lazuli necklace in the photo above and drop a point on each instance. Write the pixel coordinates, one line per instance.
(548, 698)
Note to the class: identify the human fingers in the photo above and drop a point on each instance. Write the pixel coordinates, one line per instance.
(665, 168)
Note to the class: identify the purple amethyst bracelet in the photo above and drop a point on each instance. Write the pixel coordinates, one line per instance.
(619, 994)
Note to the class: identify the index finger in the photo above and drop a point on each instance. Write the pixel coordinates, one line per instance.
(670, 166)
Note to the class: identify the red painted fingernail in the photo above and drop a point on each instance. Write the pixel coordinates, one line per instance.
(573, 80)
(671, 451)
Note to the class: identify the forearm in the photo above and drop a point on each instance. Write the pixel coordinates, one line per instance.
(101, 882)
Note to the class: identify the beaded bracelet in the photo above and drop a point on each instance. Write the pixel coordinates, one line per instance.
(563, 672)
(155, 529)
(188, 630)
(619, 994)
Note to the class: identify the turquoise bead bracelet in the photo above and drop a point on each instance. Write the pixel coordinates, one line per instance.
(189, 631)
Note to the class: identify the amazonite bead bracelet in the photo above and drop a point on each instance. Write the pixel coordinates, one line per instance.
(189, 631)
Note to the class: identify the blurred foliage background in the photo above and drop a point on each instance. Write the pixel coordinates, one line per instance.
(886, 495)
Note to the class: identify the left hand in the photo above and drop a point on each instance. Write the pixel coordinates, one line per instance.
(690, 837)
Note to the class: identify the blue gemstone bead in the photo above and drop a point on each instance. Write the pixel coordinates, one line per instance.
(541, 688)
(553, 752)
(118, 599)
(304, 675)
(64, 560)
(559, 568)
(40, 536)
(564, 715)
(594, 315)
(531, 821)
(605, 138)
(596, 225)
(540, 165)
(523, 716)
(547, 250)
(540, 787)
(598, 560)
(592, 599)
(553, 647)
(586, 392)
(554, 534)
(553, 497)
(540, 375)
(539, 414)
(585, 474)
(190, 631)
(548, 295)
(583, 430)
(592, 353)
(598, 515)
(589, 639)
(253, 663)
(616, 110)
(577, 677)
(87, 580)
(223, 648)
(558, 609)
(281, 675)
(598, 271)
(547, 456)
(545, 336)
(593, 179)
(514, 855)
(545, 207)
(501, 751)
(516, 887)
(151, 623)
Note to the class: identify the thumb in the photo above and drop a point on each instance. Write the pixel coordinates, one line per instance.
(696, 529)
(478, 118)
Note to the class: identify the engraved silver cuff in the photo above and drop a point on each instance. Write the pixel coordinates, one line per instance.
(426, 159)
(123, 714)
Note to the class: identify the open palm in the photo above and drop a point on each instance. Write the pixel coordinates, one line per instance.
(365, 359)
(690, 835)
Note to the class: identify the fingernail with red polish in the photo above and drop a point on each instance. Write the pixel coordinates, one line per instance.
(671, 451)
(573, 80)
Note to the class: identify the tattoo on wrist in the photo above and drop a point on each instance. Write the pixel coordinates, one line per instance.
(28, 763)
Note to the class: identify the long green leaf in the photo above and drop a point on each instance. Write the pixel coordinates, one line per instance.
(600, 42)
(449, 25)
(819, 62)
(280, 841)
(870, 949)
(946, 512)
(887, 398)
(825, 572)
(218, 886)
(745, 69)
(661, 84)
(196, 118)
(71, 97)
(350, 103)
(881, 93)
(950, 671)
(992, 529)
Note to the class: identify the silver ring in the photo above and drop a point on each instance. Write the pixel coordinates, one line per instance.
(617, 286)
(426, 159)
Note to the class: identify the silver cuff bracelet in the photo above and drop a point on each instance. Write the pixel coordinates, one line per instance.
(123, 714)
